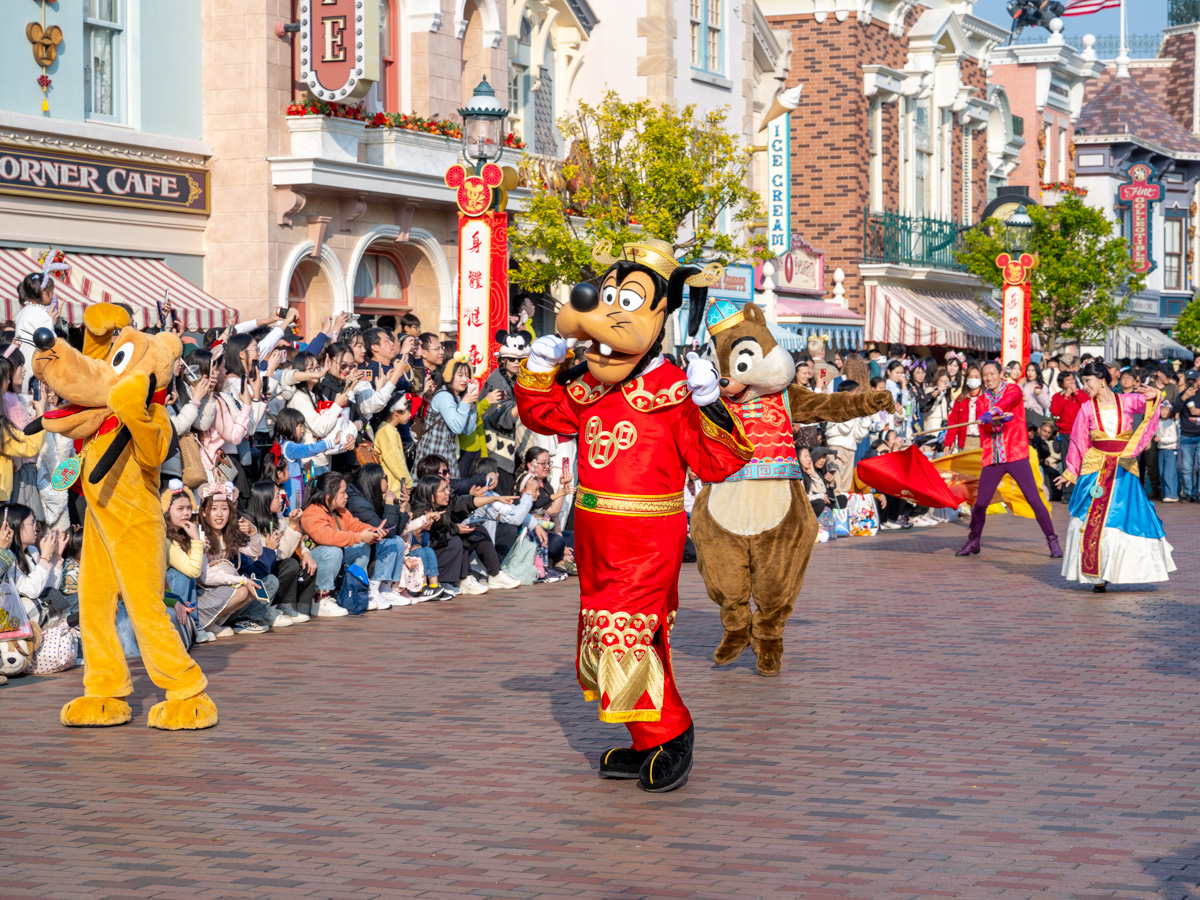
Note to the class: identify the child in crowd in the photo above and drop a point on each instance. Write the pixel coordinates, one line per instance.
(289, 448)
(388, 443)
(1167, 439)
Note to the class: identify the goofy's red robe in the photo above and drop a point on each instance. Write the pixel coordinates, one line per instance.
(636, 441)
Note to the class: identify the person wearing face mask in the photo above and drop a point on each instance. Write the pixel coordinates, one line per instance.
(968, 408)
(1005, 444)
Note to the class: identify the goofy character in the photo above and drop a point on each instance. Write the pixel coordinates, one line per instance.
(641, 423)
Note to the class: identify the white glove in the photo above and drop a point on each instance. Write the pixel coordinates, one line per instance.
(546, 353)
(703, 380)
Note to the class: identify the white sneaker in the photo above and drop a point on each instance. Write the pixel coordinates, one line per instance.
(470, 586)
(397, 597)
(890, 526)
(223, 632)
(296, 617)
(328, 609)
(279, 619)
(503, 581)
(204, 637)
(378, 600)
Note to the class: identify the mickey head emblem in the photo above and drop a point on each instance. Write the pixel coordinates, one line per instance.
(45, 42)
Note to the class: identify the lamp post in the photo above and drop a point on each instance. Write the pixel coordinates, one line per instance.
(482, 231)
(483, 127)
(1016, 266)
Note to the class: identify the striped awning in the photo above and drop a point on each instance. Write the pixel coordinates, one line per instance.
(14, 266)
(142, 284)
(897, 315)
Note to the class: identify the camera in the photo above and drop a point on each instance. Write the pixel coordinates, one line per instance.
(1033, 13)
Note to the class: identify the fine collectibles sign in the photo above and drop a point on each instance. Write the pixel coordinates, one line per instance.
(1142, 190)
(339, 48)
(96, 179)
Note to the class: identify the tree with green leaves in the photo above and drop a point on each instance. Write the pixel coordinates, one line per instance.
(634, 170)
(1084, 277)
(1187, 329)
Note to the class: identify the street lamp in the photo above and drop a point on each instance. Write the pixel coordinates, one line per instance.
(483, 127)
(1018, 231)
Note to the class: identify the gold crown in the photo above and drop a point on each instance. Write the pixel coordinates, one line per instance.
(658, 256)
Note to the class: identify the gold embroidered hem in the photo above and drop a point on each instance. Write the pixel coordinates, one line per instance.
(541, 382)
(629, 504)
(590, 696)
(735, 440)
(617, 661)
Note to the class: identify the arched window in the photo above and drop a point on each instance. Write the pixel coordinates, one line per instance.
(380, 284)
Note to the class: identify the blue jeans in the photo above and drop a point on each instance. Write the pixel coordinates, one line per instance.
(1168, 472)
(1188, 445)
(331, 560)
(428, 560)
(389, 559)
(185, 589)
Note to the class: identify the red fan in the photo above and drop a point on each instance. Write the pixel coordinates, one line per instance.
(907, 474)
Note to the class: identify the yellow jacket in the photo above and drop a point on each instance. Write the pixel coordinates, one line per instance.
(23, 447)
(391, 454)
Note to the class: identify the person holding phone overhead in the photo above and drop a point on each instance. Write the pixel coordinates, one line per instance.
(452, 411)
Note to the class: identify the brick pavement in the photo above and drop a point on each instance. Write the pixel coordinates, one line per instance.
(943, 728)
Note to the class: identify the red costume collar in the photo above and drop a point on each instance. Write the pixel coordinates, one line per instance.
(663, 386)
(111, 423)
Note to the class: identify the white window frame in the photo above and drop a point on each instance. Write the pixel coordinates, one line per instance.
(874, 148)
(1170, 222)
(120, 64)
(701, 33)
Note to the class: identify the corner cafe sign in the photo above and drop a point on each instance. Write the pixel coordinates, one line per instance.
(96, 179)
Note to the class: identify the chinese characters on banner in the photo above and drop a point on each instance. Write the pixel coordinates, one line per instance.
(1016, 342)
(482, 287)
(1141, 191)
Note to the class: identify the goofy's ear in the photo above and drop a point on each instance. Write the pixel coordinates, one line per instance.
(100, 320)
(698, 298)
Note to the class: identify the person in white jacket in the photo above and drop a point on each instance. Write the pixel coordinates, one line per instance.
(844, 437)
(36, 568)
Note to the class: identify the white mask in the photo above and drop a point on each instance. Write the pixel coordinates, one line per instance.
(973, 383)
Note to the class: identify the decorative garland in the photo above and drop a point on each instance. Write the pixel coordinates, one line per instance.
(315, 107)
(1063, 187)
(405, 121)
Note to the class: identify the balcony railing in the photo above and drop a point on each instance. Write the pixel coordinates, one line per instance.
(1183, 12)
(922, 241)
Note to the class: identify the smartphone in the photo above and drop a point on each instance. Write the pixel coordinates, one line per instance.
(36, 387)
(282, 312)
(566, 468)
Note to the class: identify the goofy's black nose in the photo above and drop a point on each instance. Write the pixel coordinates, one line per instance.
(43, 339)
(585, 297)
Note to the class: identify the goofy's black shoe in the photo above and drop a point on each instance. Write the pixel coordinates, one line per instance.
(668, 765)
(623, 762)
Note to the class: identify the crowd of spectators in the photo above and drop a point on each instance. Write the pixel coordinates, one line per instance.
(932, 397)
(360, 460)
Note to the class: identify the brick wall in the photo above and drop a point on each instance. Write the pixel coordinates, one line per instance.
(830, 153)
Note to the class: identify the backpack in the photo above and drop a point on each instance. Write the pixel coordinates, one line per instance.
(355, 593)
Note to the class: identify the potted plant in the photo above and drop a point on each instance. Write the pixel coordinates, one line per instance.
(412, 143)
(325, 130)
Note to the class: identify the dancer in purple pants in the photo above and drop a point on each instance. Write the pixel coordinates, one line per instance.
(1005, 452)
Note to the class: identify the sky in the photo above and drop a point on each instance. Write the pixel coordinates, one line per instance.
(1142, 16)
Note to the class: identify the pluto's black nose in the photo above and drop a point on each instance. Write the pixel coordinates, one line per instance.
(43, 339)
(585, 297)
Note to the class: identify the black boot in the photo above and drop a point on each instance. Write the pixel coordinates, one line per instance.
(623, 762)
(668, 765)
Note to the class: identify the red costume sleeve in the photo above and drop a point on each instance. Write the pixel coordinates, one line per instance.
(956, 437)
(543, 405)
(709, 450)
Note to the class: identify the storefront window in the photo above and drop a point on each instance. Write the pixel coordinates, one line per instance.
(379, 284)
(103, 71)
(1173, 255)
(706, 36)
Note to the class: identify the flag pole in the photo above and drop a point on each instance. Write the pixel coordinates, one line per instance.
(1123, 59)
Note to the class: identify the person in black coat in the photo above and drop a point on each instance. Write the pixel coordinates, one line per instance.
(370, 499)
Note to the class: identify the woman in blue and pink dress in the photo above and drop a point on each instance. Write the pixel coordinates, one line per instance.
(1114, 534)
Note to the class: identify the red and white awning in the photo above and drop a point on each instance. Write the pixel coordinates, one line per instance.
(925, 319)
(14, 266)
(142, 284)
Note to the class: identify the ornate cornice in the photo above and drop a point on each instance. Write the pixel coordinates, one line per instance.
(95, 148)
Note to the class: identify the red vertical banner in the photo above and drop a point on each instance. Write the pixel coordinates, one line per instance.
(482, 287)
(482, 265)
(1016, 339)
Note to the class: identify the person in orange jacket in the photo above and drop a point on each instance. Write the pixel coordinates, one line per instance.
(341, 540)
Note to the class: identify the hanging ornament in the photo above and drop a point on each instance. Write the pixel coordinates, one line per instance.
(45, 51)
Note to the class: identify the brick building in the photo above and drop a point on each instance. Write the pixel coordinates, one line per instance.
(891, 156)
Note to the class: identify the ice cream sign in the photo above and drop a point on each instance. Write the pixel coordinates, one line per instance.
(1142, 190)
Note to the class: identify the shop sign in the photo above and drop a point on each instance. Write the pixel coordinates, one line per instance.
(95, 179)
(1139, 194)
(339, 48)
(801, 270)
(779, 185)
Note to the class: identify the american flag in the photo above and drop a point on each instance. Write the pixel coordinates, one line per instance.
(1087, 7)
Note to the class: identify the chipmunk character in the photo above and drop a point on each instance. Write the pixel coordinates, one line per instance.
(641, 423)
(754, 531)
(122, 434)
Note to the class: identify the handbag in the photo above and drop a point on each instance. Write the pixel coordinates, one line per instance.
(365, 453)
(25, 489)
(827, 526)
(841, 523)
(191, 461)
(14, 619)
(15, 655)
(58, 651)
(520, 562)
(863, 515)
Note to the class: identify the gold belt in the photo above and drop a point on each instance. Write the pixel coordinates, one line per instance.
(629, 504)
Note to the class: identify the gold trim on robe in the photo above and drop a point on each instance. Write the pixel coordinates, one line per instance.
(617, 660)
(540, 382)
